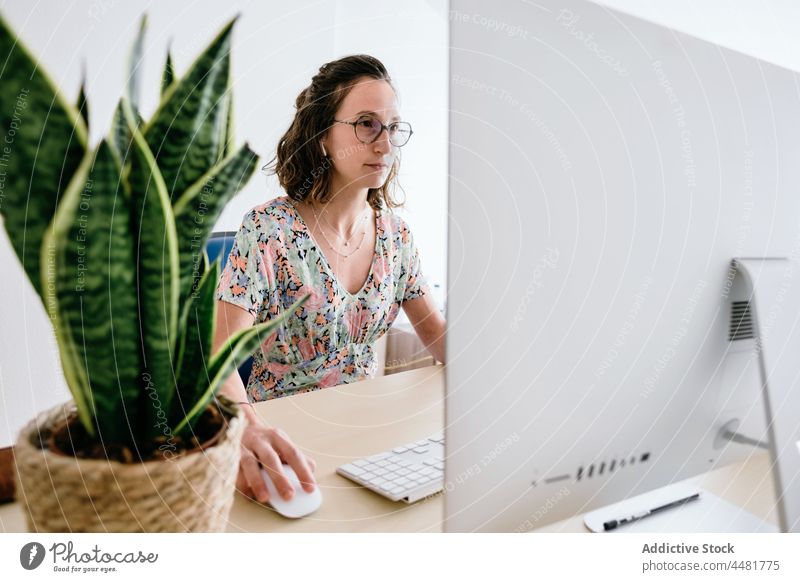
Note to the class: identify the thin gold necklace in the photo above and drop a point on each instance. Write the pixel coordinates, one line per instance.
(334, 249)
(351, 227)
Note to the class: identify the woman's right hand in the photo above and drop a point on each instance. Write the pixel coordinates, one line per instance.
(262, 445)
(270, 447)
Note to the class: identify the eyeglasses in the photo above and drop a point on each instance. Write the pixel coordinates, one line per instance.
(368, 129)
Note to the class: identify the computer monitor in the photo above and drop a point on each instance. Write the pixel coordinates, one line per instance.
(604, 173)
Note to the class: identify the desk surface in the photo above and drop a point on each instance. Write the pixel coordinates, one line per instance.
(336, 425)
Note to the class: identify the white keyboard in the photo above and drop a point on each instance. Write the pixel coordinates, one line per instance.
(407, 473)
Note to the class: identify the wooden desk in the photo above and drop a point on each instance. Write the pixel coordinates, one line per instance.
(336, 425)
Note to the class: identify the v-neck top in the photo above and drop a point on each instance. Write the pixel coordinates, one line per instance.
(376, 254)
(330, 340)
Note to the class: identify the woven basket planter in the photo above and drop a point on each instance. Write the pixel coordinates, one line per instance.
(192, 492)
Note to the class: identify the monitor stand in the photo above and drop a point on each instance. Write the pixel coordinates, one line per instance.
(776, 327)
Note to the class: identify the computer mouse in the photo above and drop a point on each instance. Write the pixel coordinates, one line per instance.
(300, 505)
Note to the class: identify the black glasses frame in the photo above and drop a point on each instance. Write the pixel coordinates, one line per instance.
(383, 127)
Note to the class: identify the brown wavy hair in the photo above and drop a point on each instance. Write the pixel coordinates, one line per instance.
(301, 167)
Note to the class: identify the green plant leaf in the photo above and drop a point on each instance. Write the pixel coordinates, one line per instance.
(197, 210)
(42, 144)
(228, 142)
(83, 104)
(196, 329)
(135, 65)
(168, 76)
(96, 293)
(120, 135)
(187, 132)
(73, 367)
(230, 355)
(157, 278)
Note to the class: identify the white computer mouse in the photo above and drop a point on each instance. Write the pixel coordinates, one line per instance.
(301, 504)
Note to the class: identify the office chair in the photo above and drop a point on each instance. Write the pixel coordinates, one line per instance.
(219, 244)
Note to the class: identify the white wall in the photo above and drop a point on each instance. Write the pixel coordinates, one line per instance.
(278, 47)
(767, 29)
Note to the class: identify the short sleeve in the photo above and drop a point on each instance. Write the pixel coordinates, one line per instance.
(414, 282)
(243, 281)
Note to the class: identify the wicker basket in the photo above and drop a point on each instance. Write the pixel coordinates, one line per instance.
(192, 492)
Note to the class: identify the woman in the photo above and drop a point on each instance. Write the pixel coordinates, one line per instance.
(334, 238)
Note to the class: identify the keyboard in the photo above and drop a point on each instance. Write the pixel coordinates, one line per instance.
(406, 473)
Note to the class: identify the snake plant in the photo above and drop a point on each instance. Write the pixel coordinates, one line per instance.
(112, 236)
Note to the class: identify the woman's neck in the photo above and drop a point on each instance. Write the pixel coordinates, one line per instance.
(344, 208)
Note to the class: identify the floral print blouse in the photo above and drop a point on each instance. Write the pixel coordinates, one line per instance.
(329, 340)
